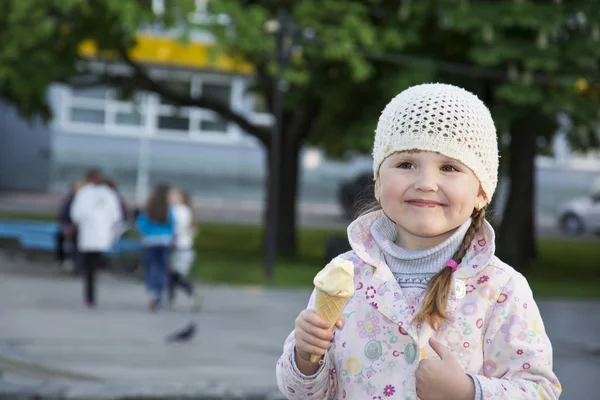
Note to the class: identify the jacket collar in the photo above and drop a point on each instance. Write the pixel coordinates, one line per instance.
(384, 293)
(362, 242)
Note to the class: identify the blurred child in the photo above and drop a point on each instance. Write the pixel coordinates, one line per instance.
(95, 211)
(156, 225)
(183, 253)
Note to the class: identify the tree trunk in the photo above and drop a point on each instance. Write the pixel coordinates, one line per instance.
(288, 190)
(295, 131)
(516, 239)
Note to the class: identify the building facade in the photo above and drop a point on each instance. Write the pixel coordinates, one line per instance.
(143, 140)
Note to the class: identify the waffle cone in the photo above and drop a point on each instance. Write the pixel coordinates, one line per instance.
(329, 308)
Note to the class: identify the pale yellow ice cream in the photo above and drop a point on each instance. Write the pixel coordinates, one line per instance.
(336, 279)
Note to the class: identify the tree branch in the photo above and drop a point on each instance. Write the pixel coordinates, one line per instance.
(143, 80)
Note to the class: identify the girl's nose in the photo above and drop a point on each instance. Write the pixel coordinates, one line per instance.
(426, 181)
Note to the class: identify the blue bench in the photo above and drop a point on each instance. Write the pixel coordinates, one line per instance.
(9, 229)
(40, 236)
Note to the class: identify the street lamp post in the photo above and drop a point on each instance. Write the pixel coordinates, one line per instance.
(283, 45)
(142, 182)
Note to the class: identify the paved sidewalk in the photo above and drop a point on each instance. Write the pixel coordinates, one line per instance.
(51, 346)
(119, 350)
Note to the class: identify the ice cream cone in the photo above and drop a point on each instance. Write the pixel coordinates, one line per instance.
(329, 308)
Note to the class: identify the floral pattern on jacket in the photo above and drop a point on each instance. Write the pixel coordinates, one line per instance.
(494, 330)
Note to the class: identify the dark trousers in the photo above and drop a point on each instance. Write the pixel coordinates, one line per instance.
(91, 261)
(61, 239)
(178, 280)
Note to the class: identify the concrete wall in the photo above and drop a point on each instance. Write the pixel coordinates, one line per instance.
(24, 152)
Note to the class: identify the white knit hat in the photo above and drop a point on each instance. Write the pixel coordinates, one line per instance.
(441, 118)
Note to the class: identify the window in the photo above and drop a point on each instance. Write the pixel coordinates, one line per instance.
(174, 123)
(133, 118)
(193, 120)
(221, 92)
(210, 121)
(79, 114)
(88, 105)
(178, 87)
(103, 109)
(214, 125)
(93, 93)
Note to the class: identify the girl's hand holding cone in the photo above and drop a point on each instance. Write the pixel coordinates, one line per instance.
(313, 336)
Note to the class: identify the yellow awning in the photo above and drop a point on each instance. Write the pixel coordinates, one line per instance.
(167, 51)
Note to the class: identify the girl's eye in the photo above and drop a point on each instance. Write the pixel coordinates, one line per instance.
(449, 168)
(404, 165)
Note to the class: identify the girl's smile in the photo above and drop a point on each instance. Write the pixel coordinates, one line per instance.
(421, 203)
(427, 195)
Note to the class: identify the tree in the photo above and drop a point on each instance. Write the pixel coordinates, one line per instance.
(324, 66)
(539, 56)
(330, 62)
(526, 59)
(40, 42)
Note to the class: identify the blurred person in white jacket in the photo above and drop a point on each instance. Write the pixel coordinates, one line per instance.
(96, 210)
(183, 254)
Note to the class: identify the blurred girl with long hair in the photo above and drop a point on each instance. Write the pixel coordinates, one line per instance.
(156, 224)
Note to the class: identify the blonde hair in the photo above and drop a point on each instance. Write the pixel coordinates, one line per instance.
(433, 308)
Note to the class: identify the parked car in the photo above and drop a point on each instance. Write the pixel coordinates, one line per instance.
(355, 194)
(580, 215)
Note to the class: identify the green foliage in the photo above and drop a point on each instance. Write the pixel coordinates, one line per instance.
(529, 54)
(334, 63)
(40, 41)
(539, 50)
(350, 57)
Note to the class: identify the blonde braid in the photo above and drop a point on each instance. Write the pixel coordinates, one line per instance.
(433, 309)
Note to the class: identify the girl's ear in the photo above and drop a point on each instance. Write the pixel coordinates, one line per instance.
(481, 200)
(377, 190)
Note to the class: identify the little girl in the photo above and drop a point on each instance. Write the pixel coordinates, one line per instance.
(435, 315)
(183, 253)
(156, 225)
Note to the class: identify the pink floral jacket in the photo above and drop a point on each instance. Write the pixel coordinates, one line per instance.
(495, 331)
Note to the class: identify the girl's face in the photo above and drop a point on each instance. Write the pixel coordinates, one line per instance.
(175, 197)
(427, 195)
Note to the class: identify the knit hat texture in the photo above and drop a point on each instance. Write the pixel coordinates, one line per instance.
(441, 118)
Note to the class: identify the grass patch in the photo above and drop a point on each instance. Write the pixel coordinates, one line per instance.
(566, 268)
(23, 216)
(234, 254)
